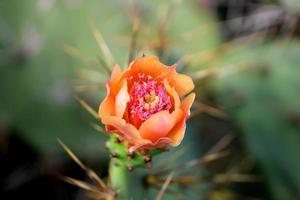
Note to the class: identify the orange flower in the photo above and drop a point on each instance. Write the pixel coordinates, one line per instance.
(145, 104)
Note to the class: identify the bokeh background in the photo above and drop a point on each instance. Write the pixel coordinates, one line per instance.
(243, 55)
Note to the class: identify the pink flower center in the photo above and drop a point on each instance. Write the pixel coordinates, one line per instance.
(147, 97)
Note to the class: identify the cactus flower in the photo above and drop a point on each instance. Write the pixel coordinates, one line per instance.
(148, 104)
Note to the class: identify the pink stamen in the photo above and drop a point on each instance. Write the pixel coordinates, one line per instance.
(147, 97)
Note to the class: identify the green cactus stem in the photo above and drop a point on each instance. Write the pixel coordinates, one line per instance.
(123, 161)
(118, 176)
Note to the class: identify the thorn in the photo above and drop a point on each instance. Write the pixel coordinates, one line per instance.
(147, 159)
(165, 186)
(87, 107)
(74, 52)
(130, 168)
(131, 155)
(114, 154)
(80, 184)
(90, 173)
(71, 154)
(118, 140)
(103, 46)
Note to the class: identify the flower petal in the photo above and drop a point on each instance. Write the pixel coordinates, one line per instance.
(146, 144)
(183, 84)
(115, 82)
(121, 100)
(177, 133)
(116, 74)
(172, 92)
(149, 65)
(187, 103)
(107, 106)
(139, 145)
(128, 131)
(159, 124)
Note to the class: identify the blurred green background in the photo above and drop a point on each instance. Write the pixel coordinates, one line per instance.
(243, 55)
